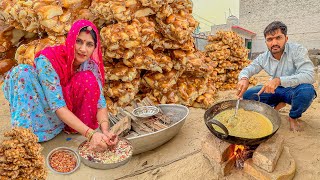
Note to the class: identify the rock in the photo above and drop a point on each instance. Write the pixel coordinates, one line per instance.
(268, 153)
(219, 153)
(285, 168)
(215, 149)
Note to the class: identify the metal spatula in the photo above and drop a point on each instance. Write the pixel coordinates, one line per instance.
(231, 119)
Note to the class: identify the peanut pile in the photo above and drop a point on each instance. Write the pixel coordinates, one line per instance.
(63, 161)
(20, 156)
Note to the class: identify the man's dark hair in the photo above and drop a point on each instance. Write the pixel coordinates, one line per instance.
(92, 33)
(274, 26)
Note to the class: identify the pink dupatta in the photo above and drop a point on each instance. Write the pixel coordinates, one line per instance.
(62, 56)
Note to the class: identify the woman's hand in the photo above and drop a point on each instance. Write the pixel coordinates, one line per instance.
(104, 126)
(98, 142)
(112, 138)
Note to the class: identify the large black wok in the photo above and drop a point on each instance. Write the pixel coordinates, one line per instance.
(250, 105)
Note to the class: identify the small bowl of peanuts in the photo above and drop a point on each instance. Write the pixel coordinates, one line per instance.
(63, 160)
(108, 159)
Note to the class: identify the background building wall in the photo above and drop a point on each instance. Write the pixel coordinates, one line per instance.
(200, 43)
(301, 17)
(232, 24)
(220, 27)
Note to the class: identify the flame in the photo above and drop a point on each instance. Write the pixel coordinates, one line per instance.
(238, 149)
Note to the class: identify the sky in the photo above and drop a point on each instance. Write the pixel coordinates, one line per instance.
(210, 12)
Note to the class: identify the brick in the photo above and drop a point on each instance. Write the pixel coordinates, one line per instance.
(215, 149)
(285, 168)
(268, 153)
(219, 153)
(227, 166)
(224, 168)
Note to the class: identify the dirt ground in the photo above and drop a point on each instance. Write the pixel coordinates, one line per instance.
(181, 157)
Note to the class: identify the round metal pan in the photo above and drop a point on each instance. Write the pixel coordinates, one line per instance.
(250, 105)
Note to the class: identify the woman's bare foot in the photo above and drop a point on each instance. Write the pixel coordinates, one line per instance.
(279, 106)
(294, 125)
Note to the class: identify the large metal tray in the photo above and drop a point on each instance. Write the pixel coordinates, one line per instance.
(177, 113)
(97, 165)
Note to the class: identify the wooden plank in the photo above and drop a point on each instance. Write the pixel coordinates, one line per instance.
(122, 127)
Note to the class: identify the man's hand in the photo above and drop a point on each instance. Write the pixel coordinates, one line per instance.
(242, 86)
(270, 86)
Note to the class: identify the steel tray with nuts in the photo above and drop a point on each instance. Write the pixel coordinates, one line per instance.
(108, 159)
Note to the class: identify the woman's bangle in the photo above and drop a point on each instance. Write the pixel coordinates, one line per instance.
(85, 134)
(90, 134)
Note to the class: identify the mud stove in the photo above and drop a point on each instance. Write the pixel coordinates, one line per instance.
(269, 160)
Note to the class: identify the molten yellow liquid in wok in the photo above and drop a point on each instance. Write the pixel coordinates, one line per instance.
(246, 124)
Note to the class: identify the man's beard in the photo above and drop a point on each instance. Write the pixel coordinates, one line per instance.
(279, 49)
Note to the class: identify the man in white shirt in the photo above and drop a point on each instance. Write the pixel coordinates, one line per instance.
(291, 71)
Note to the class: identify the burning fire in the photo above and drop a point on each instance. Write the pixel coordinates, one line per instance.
(242, 153)
(238, 149)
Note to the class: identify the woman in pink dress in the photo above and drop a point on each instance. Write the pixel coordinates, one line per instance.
(63, 90)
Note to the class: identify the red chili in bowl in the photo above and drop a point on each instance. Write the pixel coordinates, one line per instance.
(63, 161)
